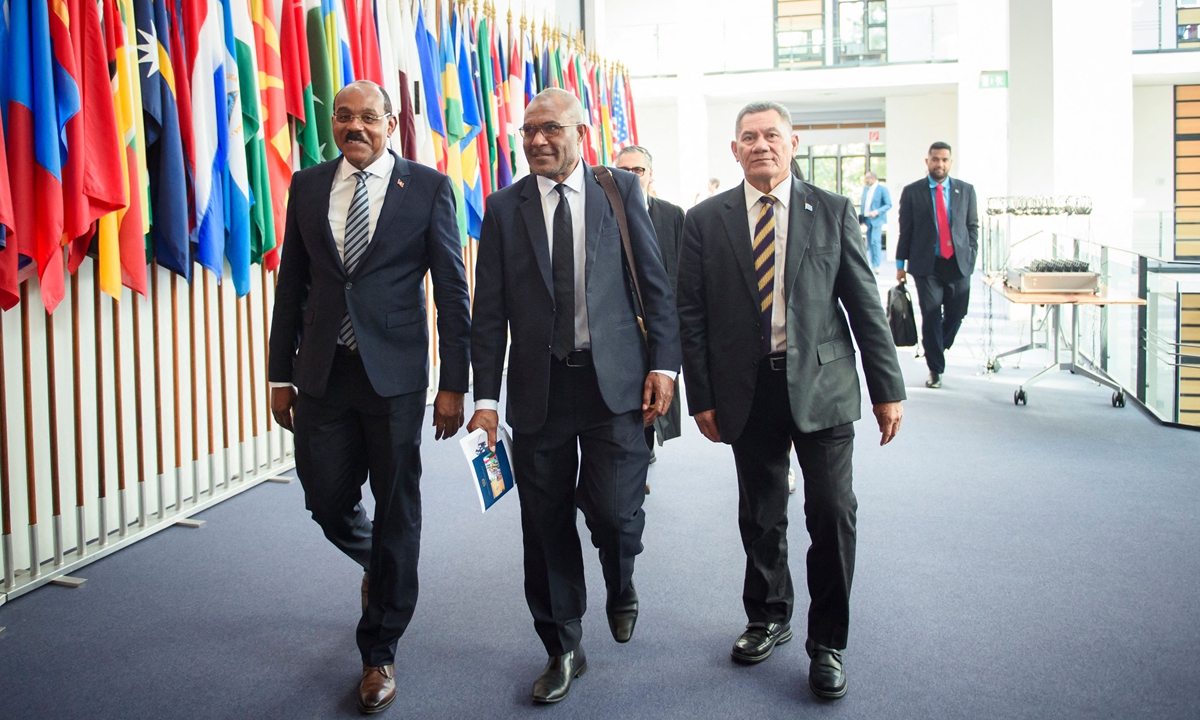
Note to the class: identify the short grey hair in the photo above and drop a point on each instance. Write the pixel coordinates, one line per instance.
(387, 100)
(574, 109)
(871, 173)
(762, 106)
(638, 149)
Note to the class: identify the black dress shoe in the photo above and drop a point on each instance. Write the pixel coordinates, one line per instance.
(826, 676)
(760, 638)
(622, 615)
(934, 381)
(555, 681)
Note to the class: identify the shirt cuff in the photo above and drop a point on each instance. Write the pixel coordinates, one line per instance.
(279, 385)
(493, 405)
(899, 264)
(668, 373)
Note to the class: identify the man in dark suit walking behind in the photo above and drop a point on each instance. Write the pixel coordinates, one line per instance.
(582, 381)
(939, 237)
(770, 272)
(349, 333)
(668, 229)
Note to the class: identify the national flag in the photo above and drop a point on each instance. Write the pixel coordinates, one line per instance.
(429, 54)
(36, 119)
(518, 67)
(93, 183)
(322, 77)
(620, 121)
(263, 232)
(391, 76)
(297, 82)
(502, 160)
(10, 293)
(165, 160)
(472, 125)
(412, 86)
(364, 40)
(606, 122)
(122, 233)
(274, 115)
(337, 43)
(174, 34)
(455, 127)
(236, 179)
(633, 133)
(205, 45)
(484, 146)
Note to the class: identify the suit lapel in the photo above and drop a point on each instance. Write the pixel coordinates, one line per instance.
(737, 232)
(595, 209)
(800, 224)
(321, 208)
(535, 225)
(391, 203)
(956, 203)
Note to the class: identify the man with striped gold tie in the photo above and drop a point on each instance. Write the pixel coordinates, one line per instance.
(349, 363)
(773, 277)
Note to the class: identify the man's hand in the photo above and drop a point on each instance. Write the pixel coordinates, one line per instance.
(447, 414)
(488, 420)
(656, 396)
(888, 415)
(283, 400)
(873, 213)
(707, 422)
(901, 275)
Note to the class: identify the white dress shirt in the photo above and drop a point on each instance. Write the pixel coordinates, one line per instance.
(341, 193)
(868, 199)
(783, 196)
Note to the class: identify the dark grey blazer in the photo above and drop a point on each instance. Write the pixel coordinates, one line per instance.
(918, 243)
(829, 289)
(416, 232)
(668, 228)
(514, 292)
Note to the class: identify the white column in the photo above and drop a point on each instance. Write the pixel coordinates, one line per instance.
(981, 156)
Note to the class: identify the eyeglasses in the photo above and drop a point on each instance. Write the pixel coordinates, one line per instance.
(639, 171)
(367, 118)
(548, 130)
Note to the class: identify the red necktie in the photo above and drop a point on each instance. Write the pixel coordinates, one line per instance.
(945, 244)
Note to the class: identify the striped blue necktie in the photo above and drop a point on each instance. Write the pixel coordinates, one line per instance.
(358, 231)
(764, 266)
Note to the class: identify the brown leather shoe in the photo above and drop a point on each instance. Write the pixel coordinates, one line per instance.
(377, 690)
(364, 592)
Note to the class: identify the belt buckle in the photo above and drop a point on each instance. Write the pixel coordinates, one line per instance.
(778, 362)
(576, 359)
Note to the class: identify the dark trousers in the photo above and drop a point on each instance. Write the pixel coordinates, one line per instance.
(943, 297)
(343, 439)
(761, 456)
(586, 457)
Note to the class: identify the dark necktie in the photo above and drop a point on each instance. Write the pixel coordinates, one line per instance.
(563, 258)
(764, 267)
(945, 244)
(358, 230)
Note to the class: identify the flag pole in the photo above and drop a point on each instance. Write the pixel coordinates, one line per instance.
(195, 389)
(119, 406)
(10, 575)
(208, 376)
(253, 386)
(175, 392)
(241, 393)
(266, 364)
(52, 406)
(30, 458)
(101, 464)
(158, 420)
(224, 393)
(139, 436)
(77, 398)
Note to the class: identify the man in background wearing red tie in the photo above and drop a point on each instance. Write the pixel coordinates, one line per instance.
(939, 238)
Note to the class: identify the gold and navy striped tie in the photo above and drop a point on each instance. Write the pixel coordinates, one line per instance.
(764, 266)
(358, 231)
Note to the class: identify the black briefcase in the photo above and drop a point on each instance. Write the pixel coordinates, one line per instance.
(900, 316)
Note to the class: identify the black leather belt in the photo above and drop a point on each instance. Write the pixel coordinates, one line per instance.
(777, 361)
(578, 359)
(345, 351)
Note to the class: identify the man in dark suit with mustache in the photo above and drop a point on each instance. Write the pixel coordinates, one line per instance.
(349, 356)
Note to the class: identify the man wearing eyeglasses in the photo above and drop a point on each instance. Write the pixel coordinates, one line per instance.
(349, 356)
(583, 383)
(668, 228)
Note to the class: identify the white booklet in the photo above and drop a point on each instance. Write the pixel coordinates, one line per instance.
(491, 471)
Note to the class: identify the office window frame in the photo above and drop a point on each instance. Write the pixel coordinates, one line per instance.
(874, 40)
(814, 56)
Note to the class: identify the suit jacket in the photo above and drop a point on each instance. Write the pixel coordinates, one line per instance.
(385, 295)
(918, 243)
(668, 229)
(514, 292)
(829, 289)
(881, 202)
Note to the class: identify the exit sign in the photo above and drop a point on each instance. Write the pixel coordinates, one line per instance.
(990, 79)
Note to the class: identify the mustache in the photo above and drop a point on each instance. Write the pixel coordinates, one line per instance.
(356, 136)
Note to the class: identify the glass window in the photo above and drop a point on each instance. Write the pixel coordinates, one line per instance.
(862, 32)
(799, 33)
(879, 166)
(825, 173)
(854, 170)
(825, 150)
(854, 149)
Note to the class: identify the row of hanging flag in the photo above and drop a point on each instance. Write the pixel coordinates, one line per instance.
(168, 130)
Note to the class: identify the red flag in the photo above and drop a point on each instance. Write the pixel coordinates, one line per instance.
(364, 40)
(93, 185)
(633, 138)
(10, 294)
(183, 62)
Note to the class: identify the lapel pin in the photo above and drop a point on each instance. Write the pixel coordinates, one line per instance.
(955, 191)
(400, 183)
(808, 207)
